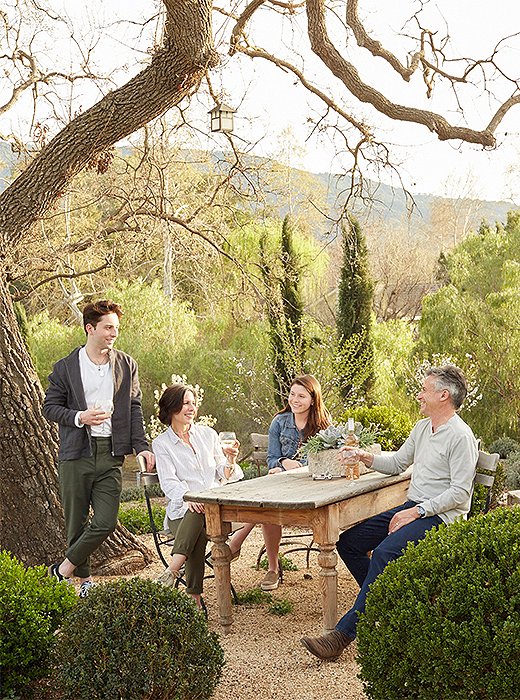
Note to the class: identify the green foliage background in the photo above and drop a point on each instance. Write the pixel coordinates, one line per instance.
(474, 318)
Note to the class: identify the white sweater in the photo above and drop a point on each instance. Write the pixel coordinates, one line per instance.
(444, 465)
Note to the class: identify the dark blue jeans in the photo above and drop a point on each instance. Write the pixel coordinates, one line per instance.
(372, 535)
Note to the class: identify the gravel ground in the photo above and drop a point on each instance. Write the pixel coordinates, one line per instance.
(264, 657)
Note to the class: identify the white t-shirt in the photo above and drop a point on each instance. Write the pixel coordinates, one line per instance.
(98, 386)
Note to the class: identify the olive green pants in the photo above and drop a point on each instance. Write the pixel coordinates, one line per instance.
(90, 482)
(190, 540)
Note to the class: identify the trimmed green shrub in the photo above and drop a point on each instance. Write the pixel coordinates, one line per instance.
(32, 605)
(135, 518)
(504, 446)
(251, 470)
(394, 426)
(443, 620)
(136, 639)
(131, 493)
(136, 493)
(512, 471)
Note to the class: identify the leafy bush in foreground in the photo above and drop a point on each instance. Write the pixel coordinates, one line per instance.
(136, 639)
(31, 608)
(443, 621)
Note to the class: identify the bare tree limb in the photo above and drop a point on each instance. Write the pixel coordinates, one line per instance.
(60, 275)
(348, 74)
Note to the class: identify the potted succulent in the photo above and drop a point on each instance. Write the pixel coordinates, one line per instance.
(322, 449)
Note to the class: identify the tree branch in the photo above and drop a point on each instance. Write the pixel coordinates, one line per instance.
(175, 72)
(61, 275)
(348, 74)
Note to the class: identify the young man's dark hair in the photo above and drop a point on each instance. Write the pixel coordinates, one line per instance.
(95, 310)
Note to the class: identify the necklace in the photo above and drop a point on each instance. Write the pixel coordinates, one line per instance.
(100, 366)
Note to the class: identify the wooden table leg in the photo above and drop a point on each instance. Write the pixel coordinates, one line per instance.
(218, 532)
(327, 560)
(326, 533)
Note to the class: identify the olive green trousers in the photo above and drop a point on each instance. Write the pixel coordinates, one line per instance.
(90, 483)
(190, 540)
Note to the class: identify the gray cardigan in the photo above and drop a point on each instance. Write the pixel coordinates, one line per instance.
(65, 397)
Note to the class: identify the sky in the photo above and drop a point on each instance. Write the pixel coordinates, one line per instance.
(273, 112)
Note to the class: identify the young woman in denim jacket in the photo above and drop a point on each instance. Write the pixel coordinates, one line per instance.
(303, 416)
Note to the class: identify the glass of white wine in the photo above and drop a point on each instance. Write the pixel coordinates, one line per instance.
(106, 405)
(227, 439)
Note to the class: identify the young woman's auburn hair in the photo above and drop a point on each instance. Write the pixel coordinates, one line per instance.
(319, 417)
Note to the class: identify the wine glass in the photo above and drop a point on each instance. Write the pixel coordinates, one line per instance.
(227, 439)
(106, 405)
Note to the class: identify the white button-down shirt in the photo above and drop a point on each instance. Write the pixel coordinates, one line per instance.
(181, 468)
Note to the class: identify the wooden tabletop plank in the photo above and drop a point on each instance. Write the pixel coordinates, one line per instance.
(294, 489)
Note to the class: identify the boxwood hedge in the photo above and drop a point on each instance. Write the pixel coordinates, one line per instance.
(136, 639)
(443, 621)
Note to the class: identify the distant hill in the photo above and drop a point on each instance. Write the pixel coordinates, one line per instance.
(386, 204)
(393, 206)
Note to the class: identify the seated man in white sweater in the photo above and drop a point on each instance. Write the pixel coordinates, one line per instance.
(444, 453)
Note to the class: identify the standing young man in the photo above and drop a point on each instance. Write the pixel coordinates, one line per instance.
(444, 453)
(95, 398)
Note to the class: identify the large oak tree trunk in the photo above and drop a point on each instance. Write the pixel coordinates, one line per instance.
(31, 520)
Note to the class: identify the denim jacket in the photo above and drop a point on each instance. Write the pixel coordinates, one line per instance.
(284, 440)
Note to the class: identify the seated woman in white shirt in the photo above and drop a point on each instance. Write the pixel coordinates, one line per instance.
(189, 457)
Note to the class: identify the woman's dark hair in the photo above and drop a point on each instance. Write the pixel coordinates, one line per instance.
(318, 418)
(93, 312)
(172, 401)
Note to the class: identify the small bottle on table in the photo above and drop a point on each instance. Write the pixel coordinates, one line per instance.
(350, 460)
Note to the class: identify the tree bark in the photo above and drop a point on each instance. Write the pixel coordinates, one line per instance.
(31, 519)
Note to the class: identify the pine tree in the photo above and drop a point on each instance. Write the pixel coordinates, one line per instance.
(355, 362)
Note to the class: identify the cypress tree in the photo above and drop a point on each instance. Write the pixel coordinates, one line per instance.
(355, 362)
(285, 313)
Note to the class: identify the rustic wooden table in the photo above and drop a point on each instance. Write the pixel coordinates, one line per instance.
(294, 498)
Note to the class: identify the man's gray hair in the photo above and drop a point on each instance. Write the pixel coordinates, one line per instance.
(451, 378)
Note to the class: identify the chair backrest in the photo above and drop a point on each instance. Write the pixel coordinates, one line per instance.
(259, 454)
(486, 463)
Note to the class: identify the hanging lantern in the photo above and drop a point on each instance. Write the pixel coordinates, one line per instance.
(222, 117)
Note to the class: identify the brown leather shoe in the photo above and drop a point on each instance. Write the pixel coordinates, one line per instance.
(328, 647)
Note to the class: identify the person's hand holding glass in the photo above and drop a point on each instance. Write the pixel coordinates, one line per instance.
(97, 412)
(230, 446)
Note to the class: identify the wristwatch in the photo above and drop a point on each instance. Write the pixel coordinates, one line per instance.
(421, 511)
